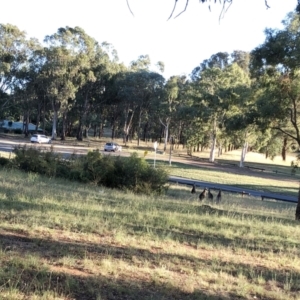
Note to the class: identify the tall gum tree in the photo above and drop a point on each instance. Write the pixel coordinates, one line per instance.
(220, 90)
(275, 64)
(69, 57)
(15, 51)
(169, 103)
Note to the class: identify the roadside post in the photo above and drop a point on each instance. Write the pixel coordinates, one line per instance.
(155, 147)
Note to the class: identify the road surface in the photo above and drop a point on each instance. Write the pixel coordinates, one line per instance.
(66, 150)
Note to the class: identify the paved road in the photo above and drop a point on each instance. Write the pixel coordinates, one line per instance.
(65, 150)
(232, 189)
(8, 146)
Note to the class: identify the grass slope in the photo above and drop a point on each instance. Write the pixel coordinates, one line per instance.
(63, 240)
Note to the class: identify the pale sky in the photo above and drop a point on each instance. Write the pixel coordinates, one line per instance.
(181, 43)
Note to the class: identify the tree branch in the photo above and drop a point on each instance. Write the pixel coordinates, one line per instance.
(203, 1)
(129, 7)
(186, 5)
(288, 134)
(294, 116)
(162, 122)
(224, 11)
(173, 10)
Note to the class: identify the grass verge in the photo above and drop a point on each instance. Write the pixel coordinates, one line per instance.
(63, 240)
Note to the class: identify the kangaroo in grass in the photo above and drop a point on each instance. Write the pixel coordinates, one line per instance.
(193, 191)
(210, 196)
(202, 194)
(219, 196)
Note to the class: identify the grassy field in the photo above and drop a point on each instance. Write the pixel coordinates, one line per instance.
(63, 240)
(277, 183)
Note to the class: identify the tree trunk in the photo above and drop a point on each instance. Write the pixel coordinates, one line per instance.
(113, 130)
(139, 128)
(63, 132)
(297, 215)
(171, 148)
(79, 135)
(220, 150)
(243, 154)
(100, 130)
(55, 108)
(95, 131)
(145, 131)
(213, 147)
(284, 147)
(25, 124)
(38, 117)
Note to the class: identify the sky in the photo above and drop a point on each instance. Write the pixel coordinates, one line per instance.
(182, 43)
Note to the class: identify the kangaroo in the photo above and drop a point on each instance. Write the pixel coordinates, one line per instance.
(210, 196)
(193, 191)
(202, 194)
(219, 196)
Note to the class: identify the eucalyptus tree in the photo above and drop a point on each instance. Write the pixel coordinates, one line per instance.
(91, 94)
(169, 103)
(275, 64)
(69, 55)
(15, 50)
(136, 89)
(219, 91)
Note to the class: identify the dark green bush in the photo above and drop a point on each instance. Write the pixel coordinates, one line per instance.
(132, 173)
(18, 131)
(4, 161)
(34, 160)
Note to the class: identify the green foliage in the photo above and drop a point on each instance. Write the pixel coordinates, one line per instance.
(18, 131)
(35, 160)
(132, 173)
(4, 161)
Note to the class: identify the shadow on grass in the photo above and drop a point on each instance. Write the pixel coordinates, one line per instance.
(68, 282)
(84, 285)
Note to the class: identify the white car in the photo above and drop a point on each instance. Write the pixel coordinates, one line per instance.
(40, 138)
(112, 147)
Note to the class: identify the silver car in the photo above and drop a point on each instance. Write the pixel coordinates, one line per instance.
(112, 147)
(40, 138)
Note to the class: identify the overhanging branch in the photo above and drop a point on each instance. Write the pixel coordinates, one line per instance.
(223, 12)
(288, 134)
(175, 3)
(129, 7)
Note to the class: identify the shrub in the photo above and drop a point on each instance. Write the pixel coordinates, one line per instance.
(34, 160)
(18, 131)
(4, 161)
(131, 173)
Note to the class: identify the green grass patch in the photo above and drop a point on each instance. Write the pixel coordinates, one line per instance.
(66, 240)
(277, 183)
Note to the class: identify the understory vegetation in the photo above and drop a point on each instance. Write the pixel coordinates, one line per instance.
(62, 239)
(132, 173)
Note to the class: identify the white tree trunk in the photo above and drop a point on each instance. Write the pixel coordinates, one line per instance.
(166, 132)
(54, 123)
(212, 150)
(243, 154)
(166, 136)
